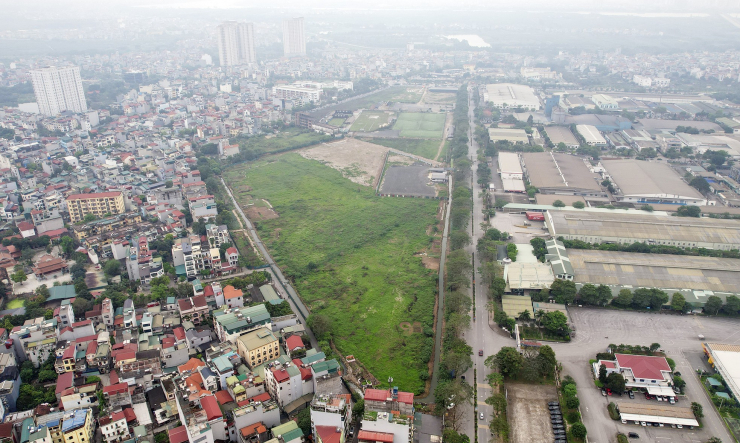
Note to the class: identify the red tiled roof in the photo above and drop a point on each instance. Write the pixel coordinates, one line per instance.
(293, 342)
(92, 348)
(375, 436)
(376, 395)
(25, 226)
(263, 397)
(280, 375)
(113, 377)
(199, 301)
(185, 304)
(64, 381)
(608, 364)
(130, 415)
(329, 434)
(118, 388)
(81, 323)
(210, 405)
(208, 291)
(191, 365)
(406, 397)
(223, 397)
(178, 435)
(98, 195)
(168, 342)
(179, 333)
(231, 292)
(231, 251)
(643, 366)
(256, 428)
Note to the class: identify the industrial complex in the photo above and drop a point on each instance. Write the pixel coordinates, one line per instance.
(561, 174)
(639, 181)
(693, 276)
(626, 228)
(509, 95)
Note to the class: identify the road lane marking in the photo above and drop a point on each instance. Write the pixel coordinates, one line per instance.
(482, 403)
(482, 386)
(483, 426)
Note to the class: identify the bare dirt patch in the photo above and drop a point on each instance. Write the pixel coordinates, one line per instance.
(397, 159)
(260, 213)
(409, 328)
(529, 417)
(359, 161)
(430, 263)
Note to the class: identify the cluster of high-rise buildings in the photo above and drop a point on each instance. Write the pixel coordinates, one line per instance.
(236, 41)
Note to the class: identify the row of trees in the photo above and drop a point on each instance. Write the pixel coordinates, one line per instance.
(644, 248)
(452, 392)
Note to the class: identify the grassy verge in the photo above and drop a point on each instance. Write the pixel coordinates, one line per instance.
(422, 148)
(351, 257)
(290, 138)
(246, 250)
(15, 303)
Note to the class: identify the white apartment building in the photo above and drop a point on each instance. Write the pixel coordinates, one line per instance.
(58, 89)
(298, 93)
(294, 37)
(236, 43)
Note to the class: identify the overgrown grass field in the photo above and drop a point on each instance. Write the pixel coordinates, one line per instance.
(420, 125)
(15, 303)
(290, 138)
(351, 257)
(336, 121)
(369, 121)
(421, 147)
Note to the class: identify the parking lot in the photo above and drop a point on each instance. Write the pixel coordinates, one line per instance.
(529, 416)
(677, 335)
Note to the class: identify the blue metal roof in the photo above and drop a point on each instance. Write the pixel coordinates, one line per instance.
(75, 420)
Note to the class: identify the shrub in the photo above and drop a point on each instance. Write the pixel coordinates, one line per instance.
(621, 438)
(572, 402)
(613, 411)
(578, 430)
(573, 417)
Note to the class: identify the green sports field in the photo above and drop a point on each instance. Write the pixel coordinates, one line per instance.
(420, 125)
(336, 121)
(369, 121)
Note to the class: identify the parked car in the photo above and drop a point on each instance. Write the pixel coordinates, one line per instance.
(642, 423)
(553, 403)
(558, 427)
(632, 394)
(672, 400)
(679, 426)
(556, 421)
(603, 392)
(633, 435)
(481, 416)
(608, 391)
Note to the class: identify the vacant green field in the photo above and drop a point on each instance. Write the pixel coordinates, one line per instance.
(291, 138)
(15, 303)
(351, 256)
(420, 125)
(422, 148)
(369, 121)
(410, 95)
(337, 121)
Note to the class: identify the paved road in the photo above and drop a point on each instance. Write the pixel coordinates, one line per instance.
(293, 299)
(479, 335)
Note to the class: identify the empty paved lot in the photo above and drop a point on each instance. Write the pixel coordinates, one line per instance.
(529, 416)
(677, 334)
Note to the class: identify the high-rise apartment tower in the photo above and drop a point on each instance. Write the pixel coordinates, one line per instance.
(58, 89)
(294, 37)
(236, 43)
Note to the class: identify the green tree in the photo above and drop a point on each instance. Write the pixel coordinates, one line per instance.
(168, 184)
(712, 305)
(588, 294)
(47, 375)
(303, 419)
(572, 402)
(89, 217)
(558, 204)
(498, 401)
(654, 347)
(459, 239)
(579, 205)
(112, 268)
(555, 322)
(732, 305)
(678, 302)
(509, 361)
(524, 315)
(578, 430)
(563, 291)
(602, 374)
(615, 382)
(19, 276)
(547, 361)
(624, 298)
(604, 295)
(320, 325)
(679, 382)
(358, 409)
(697, 409)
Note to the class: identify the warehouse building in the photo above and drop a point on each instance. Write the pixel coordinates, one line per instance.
(523, 278)
(726, 360)
(562, 134)
(591, 135)
(625, 228)
(602, 122)
(562, 174)
(513, 305)
(511, 172)
(642, 182)
(510, 135)
(636, 413)
(558, 258)
(509, 95)
(605, 102)
(695, 277)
